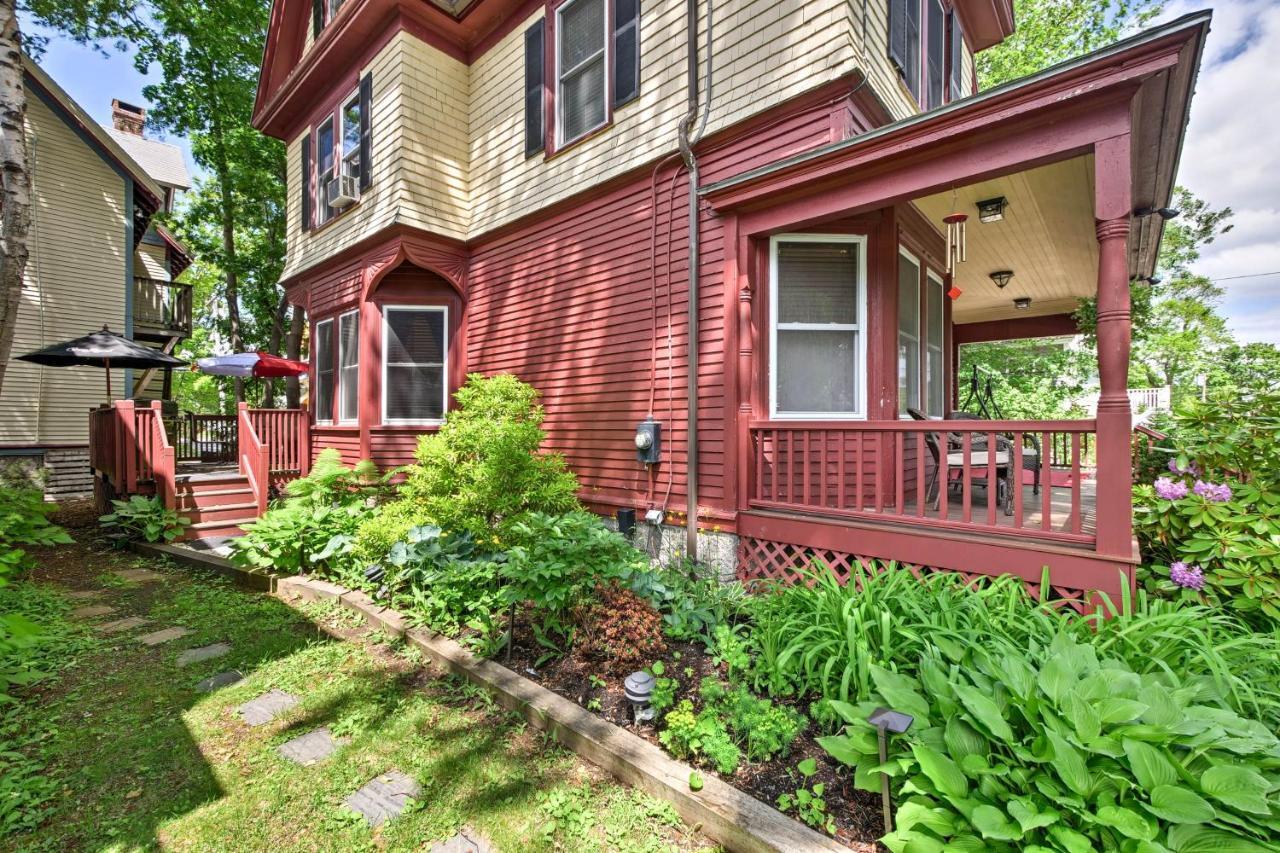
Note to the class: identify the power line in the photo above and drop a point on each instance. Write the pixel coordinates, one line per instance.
(1251, 275)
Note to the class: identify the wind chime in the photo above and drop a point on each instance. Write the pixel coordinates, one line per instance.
(957, 249)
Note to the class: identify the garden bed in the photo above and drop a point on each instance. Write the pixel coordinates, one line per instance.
(857, 814)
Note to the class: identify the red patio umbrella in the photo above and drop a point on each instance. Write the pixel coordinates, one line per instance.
(262, 365)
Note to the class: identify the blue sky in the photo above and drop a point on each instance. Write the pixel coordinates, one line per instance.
(1231, 157)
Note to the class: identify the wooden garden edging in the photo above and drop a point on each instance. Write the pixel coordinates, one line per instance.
(719, 811)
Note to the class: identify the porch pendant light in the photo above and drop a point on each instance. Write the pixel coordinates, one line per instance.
(957, 251)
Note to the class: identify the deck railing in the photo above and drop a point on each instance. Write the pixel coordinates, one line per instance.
(209, 439)
(163, 305)
(254, 459)
(286, 434)
(931, 473)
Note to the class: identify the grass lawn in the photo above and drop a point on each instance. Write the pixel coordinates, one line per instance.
(135, 758)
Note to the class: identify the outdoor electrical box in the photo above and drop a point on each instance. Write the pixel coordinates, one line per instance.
(649, 441)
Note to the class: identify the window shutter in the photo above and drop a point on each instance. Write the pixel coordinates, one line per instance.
(534, 102)
(626, 51)
(898, 33)
(957, 57)
(317, 17)
(304, 183)
(366, 132)
(912, 48)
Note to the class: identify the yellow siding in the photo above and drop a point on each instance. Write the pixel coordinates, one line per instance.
(150, 262)
(448, 138)
(74, 283)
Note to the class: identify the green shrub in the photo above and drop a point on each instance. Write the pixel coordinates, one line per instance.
(314, 527)
(557, 565)
(483, 471)
(702, 736)
(384, 527)
(146, 519)
(445, 581)
(691, 601)
(765, 729)
(1059, 747)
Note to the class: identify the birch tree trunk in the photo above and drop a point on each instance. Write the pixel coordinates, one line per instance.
(15, 201)
(293, 350)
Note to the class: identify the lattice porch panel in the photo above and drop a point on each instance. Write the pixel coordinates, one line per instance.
(766, 560)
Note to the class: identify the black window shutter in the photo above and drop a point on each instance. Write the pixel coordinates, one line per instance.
(317, 17)
(534, 106)
(898, 33)
(366, 132)
(626, 51)
(957, 56)
(305, 182)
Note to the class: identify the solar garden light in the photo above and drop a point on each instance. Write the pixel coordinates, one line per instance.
(639, 689)
(376, 574)
(888, 720)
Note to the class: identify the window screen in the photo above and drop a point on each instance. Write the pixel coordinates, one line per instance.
(323, 360)
(351, 138)
(582, 66)
(817, 332)
(935, 392)
(935, 52)
(908, 333)
(534, 108)
(626, 51)
(415, 357)
(324, 168)
(956, 72)
(349, 367)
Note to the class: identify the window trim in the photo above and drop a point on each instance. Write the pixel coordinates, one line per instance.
(605, 55)
(903, 252)
(860, 413)
(327, 420)
(932, 279)
(443, 310)
(354, 315)
(322, 214)
(340, 141)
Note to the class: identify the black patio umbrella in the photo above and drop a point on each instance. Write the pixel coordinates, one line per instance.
(103, 349)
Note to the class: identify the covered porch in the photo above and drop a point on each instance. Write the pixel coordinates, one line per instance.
(850, 304)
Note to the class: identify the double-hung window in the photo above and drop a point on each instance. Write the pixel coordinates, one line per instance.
(415, 364)
(349, 368)
(339, 146)
(908, 332)
(926, 45)
(323, 358)
(325, 154)
(817, 343)
(582, 65)
(935, 388)
(351, 138)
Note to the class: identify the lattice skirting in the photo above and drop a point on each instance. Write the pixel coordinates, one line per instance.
(763, 560)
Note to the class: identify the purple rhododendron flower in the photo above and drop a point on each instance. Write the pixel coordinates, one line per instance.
(1192, 468)
(1170, 490)
(1188, 577)
(1217, 492)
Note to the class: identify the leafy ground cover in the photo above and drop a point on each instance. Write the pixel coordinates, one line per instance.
(129, 756)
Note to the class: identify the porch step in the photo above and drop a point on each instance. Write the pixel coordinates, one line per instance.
(230, 527)
(189, 501)
(214, 481)
(220, 512)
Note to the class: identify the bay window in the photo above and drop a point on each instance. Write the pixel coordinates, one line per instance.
(926, 45)
(415, 359)
(349, 368)
(908, 332)
(582, 63)
(935, 384)
(323, 360)
(817, 344)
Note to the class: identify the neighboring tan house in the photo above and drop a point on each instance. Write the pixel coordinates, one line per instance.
(95, 259)
(499, 185)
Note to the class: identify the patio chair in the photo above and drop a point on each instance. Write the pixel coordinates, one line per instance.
(940, 478)
(1030, 447)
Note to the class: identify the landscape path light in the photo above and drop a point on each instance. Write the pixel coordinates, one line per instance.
(888, 720)
(639, 689)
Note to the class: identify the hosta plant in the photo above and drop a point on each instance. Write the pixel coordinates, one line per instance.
(144, 518)
(1056, 748)
(444, 580)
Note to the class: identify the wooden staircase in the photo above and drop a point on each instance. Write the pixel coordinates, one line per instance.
(218, 504)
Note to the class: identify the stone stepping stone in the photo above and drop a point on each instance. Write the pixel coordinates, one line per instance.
(139, 575)
(384, 797)
(164, 635)
(222, 679)
(126, 624)
(466, 841)
(203, 653)
(85, 594)
(92, 610)
(268, 706)
(312, 747)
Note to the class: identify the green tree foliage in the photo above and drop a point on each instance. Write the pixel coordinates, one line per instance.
(1052, 31)
(207, 54)
(1240, 368)
(484, 470)
(1037, 378)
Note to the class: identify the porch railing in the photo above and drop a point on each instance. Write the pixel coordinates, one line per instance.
(285, 432)
(163, 305)
(931, 473)
(254, 456)
(209, 439)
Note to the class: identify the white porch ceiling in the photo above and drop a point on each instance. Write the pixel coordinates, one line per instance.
(1046, 238)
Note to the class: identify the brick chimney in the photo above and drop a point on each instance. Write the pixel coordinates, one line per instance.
(126, 117)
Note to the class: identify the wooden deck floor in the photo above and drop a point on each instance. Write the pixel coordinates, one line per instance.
(1032, 509)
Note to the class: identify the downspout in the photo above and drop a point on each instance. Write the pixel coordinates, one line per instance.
(687, 138)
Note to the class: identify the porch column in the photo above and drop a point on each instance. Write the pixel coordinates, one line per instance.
(1115, 499)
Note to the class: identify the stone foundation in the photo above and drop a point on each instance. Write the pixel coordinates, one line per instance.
(60, 473)
(665, 545)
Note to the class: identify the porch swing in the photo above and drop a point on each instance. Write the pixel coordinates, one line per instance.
(982, 397)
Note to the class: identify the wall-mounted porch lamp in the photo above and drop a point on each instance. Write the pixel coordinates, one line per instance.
(992, 209)
(888, 720)
(1022, 303)
(1163, 212)
(1001, 277)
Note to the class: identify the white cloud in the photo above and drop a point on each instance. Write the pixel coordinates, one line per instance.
(1232, 157)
